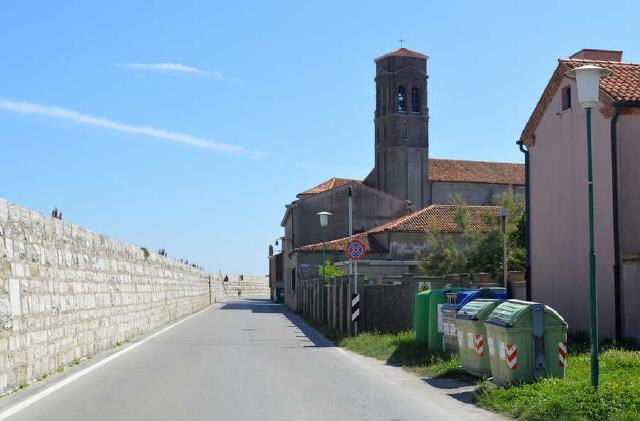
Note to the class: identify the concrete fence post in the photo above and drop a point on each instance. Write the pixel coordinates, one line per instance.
(340, 306)
(315, 300)
(310, 299)
(334, 305)
(304, 297)
(309, 302)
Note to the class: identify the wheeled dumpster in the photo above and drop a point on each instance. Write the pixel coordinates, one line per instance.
(471, 336)
(526, 341)
(449, 312)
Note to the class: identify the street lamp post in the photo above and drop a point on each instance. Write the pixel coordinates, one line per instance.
(324, 222)
(588, 81)
(503, 219)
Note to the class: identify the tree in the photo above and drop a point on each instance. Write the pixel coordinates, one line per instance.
(330, 270)
(484, 253)
(516, 228)
(483, 250)
(444, 256)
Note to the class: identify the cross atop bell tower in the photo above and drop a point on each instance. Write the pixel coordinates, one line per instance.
(401, 126)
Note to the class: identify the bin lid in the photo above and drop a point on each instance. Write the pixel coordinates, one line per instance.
(477, 309)
(466, 296)
(516, 313)
(494, 292)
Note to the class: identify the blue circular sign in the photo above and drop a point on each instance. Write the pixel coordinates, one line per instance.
(356, 249)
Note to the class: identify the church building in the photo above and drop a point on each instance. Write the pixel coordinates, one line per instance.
(403, 181)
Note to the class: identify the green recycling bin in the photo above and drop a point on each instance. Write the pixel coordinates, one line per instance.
(526, 341)
(472, 336)
(420, 316)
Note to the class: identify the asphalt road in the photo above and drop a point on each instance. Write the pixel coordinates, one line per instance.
(248, 359)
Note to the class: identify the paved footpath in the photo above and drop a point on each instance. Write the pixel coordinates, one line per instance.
(247, 359)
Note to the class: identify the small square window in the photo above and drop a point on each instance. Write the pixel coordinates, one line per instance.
(566, 98)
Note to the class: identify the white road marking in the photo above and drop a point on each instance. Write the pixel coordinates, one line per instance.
(57, 386)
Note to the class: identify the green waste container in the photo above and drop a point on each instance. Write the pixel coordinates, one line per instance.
(526, 341)
(420, 316)
(472, 336)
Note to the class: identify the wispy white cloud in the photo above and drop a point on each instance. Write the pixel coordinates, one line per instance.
(105, 123)
(174, 68)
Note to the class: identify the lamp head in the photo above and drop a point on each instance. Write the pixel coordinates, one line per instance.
(588, 81)
(324, 218)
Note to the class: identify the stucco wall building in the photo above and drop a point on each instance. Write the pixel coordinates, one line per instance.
(556, 139)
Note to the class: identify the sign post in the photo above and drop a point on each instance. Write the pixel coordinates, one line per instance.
(355, 250)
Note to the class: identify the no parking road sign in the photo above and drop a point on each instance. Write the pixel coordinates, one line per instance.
(356, 249)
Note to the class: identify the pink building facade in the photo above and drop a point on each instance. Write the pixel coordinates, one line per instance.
(559, 245)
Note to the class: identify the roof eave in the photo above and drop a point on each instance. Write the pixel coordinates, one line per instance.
(288, 208)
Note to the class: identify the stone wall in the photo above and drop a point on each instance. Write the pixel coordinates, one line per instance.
(67, 293)
(245, 285)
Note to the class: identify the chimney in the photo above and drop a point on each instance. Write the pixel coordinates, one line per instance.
(605, 55)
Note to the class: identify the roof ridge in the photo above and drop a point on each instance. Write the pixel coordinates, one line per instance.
(475, 160)
(625, 63)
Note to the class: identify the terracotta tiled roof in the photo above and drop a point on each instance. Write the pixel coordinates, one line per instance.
(403, 52)
(449, 170)
(332, 183)
(622, 85)
(372, 245)
(476, 171)
(440, 218)
(443, 218)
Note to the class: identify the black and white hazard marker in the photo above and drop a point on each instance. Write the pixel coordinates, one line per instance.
(355, 307)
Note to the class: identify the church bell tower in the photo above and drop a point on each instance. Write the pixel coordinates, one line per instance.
(401, 127)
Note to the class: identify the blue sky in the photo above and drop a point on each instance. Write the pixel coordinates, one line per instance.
(188, 125)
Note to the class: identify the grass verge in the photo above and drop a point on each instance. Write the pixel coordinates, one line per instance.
(399, 349)
(573, 398)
